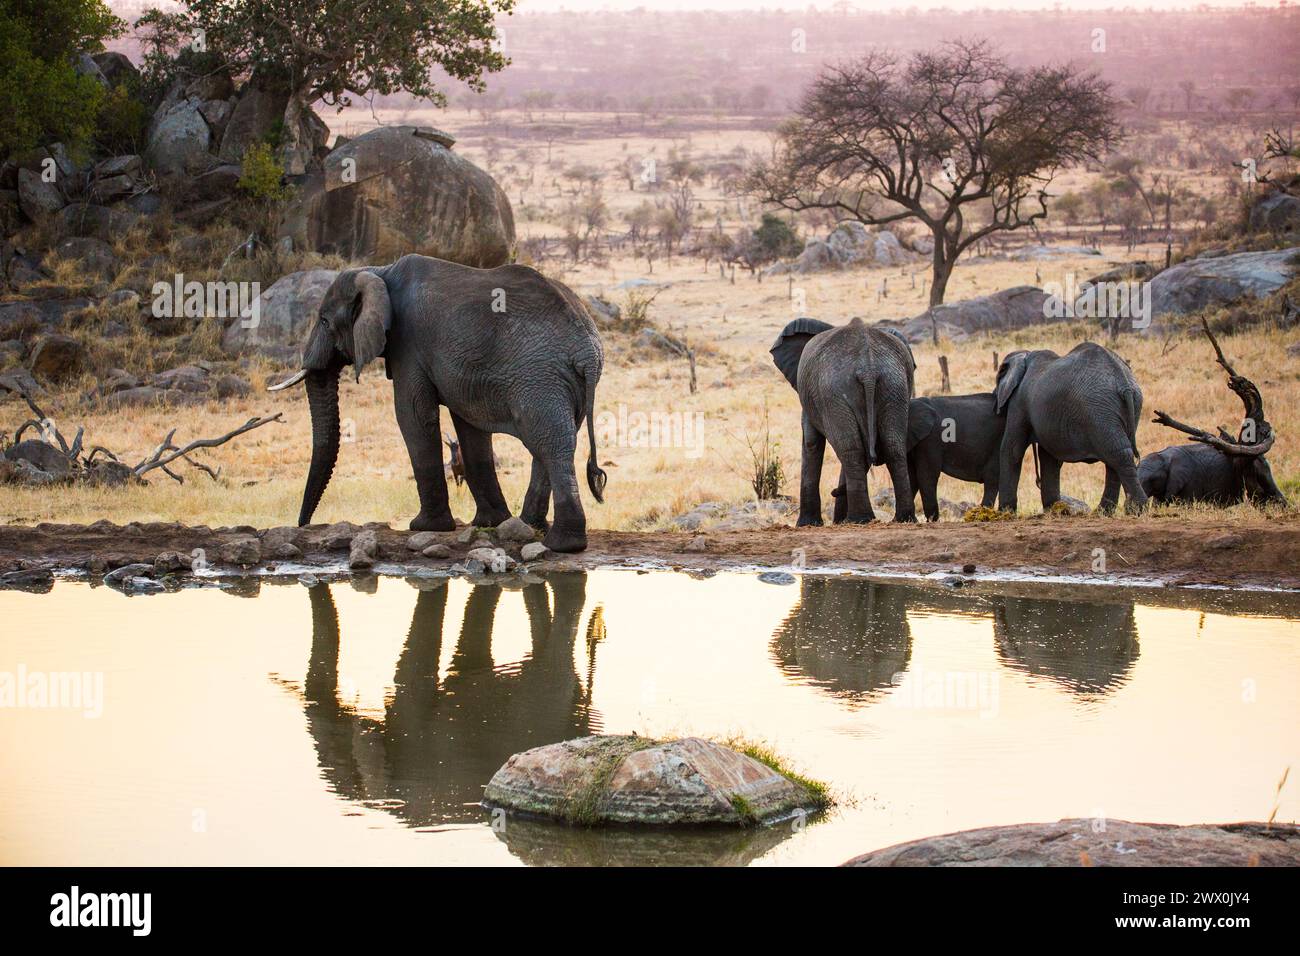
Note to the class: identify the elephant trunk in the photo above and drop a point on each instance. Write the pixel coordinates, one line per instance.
(323, 400)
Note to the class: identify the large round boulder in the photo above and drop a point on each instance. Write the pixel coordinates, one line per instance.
(179, 139)
(638, 780)
(1277, 212)
(398, 190)
(1099, 843)
(58, 358)
(284, 312)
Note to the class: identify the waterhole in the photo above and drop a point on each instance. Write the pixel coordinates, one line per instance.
(358, 722)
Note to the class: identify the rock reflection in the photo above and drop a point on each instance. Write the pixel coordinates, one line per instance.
(548, 844)
(440, 740)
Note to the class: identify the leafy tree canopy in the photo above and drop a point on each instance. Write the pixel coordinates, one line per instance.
(43, 99)
(332, 50)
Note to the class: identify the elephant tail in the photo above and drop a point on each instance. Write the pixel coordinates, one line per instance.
(869, 419)
(1133, 405)
(595, 477)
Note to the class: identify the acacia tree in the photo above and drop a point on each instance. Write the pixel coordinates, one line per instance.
(333, 50)
(881, 142)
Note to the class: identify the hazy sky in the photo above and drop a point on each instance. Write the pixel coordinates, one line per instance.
(874, 5)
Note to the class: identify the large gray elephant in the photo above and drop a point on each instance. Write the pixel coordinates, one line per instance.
(957, 435)
(506, 350)
(1083, 406)
(1198, 472)
(854, 383)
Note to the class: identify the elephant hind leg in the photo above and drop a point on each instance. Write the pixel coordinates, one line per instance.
(853, 464)
(552, 440)
(1122, 472)
(1049, 467)
(481, 474)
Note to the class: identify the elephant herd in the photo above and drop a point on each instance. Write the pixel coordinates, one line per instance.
(855, 386)
(509, 350)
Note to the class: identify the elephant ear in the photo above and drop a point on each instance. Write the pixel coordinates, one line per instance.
(922, 418)
(1010, 372)
(374, 317)
(789, 345)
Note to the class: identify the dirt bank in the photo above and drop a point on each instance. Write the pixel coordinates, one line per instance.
(1162, 550)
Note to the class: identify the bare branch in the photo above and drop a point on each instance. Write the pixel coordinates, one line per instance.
(160, 457)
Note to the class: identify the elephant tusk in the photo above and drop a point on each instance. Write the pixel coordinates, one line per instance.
(293, 379)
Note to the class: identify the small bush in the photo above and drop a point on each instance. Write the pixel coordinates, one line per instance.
(261, 175)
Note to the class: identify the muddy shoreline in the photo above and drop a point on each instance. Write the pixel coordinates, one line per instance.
(1060, 551)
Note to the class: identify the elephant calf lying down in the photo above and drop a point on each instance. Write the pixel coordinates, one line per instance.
(1198, 472)
(957, 435)
(506, 350)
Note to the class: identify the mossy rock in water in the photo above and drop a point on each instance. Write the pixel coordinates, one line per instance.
(638, 780)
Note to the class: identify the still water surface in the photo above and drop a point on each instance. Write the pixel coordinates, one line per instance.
(332, 725)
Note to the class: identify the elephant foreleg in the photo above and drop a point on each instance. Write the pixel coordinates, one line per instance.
(481, 474)
(810, 476)
(537, 500)
(417, 418)
(1015, 442)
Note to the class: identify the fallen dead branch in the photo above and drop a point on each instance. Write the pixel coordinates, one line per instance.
(1256, 435)
(111, 469)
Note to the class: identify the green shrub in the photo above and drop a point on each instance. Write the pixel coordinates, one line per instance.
(122, 121)
(261, 175)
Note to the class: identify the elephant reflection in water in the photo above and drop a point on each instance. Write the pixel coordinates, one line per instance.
(847, 636)
(439, 741)
(850, 637)
(1087, 648)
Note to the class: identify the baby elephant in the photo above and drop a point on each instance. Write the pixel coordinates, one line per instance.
(956, 435)
(1198, 472)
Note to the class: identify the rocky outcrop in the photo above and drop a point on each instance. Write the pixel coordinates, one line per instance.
(1009, 309)
(1221, 280)
(1099, 843)
(848, 244)
(397, 190)
(285, 312)
(617, 779)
